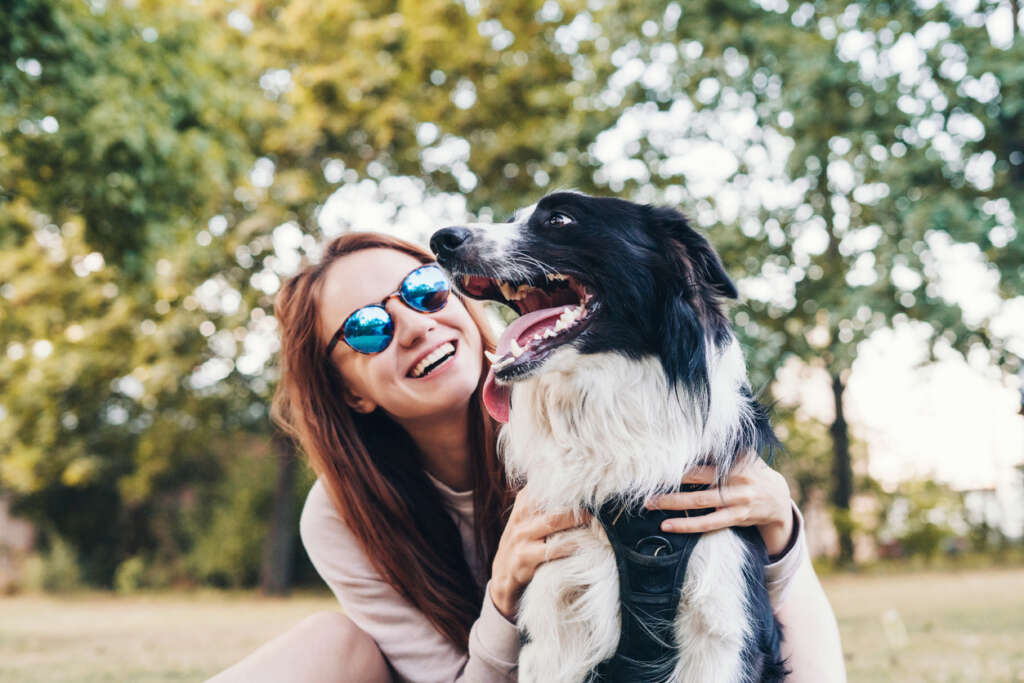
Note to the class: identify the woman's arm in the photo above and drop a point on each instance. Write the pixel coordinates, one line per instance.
(810, 641)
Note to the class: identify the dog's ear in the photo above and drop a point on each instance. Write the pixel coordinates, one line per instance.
(697, 253)
(683, 349)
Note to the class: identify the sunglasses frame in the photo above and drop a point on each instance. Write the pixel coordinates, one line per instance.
(339, 334)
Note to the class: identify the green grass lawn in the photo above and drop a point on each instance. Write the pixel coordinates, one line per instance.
(922, 626)
(944, 626)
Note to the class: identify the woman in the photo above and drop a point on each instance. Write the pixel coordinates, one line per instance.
(381, 375)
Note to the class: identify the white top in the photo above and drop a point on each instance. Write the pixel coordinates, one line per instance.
(413, 647)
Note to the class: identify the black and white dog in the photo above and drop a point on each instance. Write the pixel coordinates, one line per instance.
(620, 376)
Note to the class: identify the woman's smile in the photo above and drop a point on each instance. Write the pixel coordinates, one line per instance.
(435, 361)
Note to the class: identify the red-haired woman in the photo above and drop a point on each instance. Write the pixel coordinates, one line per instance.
(411, 522)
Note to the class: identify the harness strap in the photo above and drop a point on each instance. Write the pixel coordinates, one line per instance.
(652, 565)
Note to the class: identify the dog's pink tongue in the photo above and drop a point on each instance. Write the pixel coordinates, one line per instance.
(497, 396)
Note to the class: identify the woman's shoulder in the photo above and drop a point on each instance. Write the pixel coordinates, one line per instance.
(323, 530)
(318, 507)
(318, 503)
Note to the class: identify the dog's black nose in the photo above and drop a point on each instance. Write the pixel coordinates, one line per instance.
(447, 241)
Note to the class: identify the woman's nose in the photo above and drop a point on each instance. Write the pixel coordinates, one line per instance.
(410, 325)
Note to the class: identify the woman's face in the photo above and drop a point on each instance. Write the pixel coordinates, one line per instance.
(388, 379)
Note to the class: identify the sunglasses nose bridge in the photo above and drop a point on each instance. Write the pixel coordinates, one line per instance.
(409, 323)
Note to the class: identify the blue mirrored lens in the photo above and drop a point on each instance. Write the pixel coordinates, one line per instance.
(426, 289)
(369, 329)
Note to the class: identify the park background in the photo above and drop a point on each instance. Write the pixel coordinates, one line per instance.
(164, 165)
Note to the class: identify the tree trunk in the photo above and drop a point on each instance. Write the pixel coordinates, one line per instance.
(1015, 13)
(279, 547)
(842, 474)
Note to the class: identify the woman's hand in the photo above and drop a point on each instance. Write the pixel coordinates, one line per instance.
(523, 547)
(752, 494)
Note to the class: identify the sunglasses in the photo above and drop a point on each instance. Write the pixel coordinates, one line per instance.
(370, 329)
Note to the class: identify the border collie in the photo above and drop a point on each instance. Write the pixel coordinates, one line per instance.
(621, 375)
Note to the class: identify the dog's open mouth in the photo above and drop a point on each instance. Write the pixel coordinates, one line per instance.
(554, 309)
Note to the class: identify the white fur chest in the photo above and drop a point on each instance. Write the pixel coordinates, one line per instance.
(596, 426)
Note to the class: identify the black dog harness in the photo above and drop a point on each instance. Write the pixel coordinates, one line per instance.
(652, 565)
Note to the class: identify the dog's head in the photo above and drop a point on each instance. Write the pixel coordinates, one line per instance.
(595, 274)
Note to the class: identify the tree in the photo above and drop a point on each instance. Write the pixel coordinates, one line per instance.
(121, 128)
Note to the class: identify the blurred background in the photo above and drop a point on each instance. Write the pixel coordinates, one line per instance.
(164, 165)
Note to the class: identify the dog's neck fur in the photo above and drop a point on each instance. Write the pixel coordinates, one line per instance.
(596, 427)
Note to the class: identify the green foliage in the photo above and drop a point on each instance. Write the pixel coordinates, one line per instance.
(125, 127)
(366, 77)
(119, 117)
(806, 458)
(54, 571)
(924, 518)
(130, 575)
(229, 531)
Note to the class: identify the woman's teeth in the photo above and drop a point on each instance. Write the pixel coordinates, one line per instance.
(438, 354)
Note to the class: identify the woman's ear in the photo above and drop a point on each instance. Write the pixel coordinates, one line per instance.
(358, 403)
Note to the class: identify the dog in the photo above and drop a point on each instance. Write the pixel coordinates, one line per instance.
(621, 375)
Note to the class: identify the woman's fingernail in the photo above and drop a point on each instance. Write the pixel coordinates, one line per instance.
(666, 526)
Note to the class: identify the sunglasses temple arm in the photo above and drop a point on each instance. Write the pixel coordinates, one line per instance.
(334, 341)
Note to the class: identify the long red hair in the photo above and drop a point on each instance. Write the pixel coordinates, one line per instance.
(371, 467)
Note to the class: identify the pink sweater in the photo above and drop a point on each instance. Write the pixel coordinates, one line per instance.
(415, 650)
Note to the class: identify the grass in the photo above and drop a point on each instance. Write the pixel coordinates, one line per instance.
(932, 626)
(168, 637)
(918, 626)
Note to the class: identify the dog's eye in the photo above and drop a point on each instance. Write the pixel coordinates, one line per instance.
(557, 219)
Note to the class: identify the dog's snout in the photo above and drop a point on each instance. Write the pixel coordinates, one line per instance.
(447, 241)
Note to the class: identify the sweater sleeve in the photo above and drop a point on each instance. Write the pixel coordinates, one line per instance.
(413, 647)
(782, 568)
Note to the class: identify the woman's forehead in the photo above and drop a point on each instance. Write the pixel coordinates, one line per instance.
(361, 278)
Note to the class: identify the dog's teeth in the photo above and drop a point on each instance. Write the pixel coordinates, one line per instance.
(556, 276)
(536, 336)
(505, 360)
(493, 357)
(506, 289)
(516, 349)
(521, 292)
(549, 333)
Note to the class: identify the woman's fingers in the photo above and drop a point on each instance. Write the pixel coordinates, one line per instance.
(537, 553)
(696, 500)
(746, 467)
(545, 525)
(719, 519)
(700, 475)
